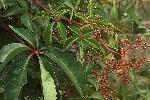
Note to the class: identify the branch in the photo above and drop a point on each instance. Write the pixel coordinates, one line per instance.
(40, 5)
(72, 21)
(105, 46)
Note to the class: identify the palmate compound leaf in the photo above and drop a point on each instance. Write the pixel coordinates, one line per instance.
(15, 78)
(9, 51)
(49, 88)
(73, 69)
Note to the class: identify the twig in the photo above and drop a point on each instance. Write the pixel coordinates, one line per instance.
(105, 46)
(72, 21)
(40, 5)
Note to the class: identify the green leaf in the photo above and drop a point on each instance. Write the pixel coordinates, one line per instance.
(9, 51)
(73, 69)
(25, 19)
(23, 3)
(26, 35)
(63, 32)
(90, 9)
(3, 3)
(49, 89)
(81, 52)
(69, 3)
(12, 10)
(51, 67)
(48, 34)
(76, 29)
(93, 82)
(114, 11)
(81, 16)
(16, 78)
(37, 30)
(46, 21)
(6, 3)
(95, 44)
(64, 11)
(70, 41)
(96, 95)
(135, 16)
(132, 12)
(77, 3)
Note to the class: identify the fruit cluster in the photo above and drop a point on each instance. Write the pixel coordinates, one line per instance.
(132, 56)
(105, 87)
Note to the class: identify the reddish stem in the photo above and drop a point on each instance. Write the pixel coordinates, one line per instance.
(105, 46)
(39, 4)
(72, 21)
(36, 51)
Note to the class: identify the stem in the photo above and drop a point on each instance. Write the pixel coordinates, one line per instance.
(105, 46)
(40, 5)
(72, 21)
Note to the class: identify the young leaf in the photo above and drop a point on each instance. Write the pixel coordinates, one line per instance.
(16, 78)
(48, 34)
(70, 41)
(25, 19)
(63, 31)
(90, 8)
(71, 67)
(114, 11)
(49, 88)
(96, 95)
(76, 29)
(77, 3)
(9, 51)
(64, 11)
(69, 3)
(95, 44)
(81, 16)
(26, 35)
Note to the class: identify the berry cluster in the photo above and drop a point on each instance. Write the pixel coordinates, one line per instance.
(88, 58)
(104, 84)
(132, 56)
